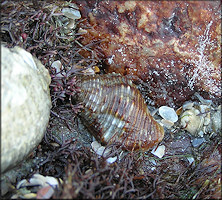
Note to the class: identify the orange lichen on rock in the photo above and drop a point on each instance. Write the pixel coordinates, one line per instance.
(171, 47)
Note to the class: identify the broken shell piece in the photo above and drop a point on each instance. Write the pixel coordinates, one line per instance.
(168, 113)
(190, 159)
(99, 149)
(21, 183)
(190, 120)
(159, 152)
(111, 159)
(167, 123)
(82, 70)
(89, 71)
(83, 31)
(71, 13)
(188, 105)
(51, 181)
(95, 146)
(44, 185)
(102, 151)
(201, 133)
(204, 108)
(153, 161)
(57, 65)
(38, 179)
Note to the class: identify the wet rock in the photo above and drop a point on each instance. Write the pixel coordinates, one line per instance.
(25, 105)
(171, 48)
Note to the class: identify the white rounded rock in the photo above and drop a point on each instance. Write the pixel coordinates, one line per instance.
(25, 104)
(168, 113)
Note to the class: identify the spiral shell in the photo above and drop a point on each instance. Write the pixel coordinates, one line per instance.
(115, 111)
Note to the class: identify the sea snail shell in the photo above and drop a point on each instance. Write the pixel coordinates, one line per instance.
(115, 111)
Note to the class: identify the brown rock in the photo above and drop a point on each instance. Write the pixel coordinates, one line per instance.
(171, 47)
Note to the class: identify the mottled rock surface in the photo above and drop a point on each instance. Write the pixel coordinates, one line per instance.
(25, 104)
(171, 47)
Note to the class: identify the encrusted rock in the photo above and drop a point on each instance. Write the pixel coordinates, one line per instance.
(25, 104)
(171, 47)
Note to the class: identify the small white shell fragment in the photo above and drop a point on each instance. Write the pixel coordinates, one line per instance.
(38, 179)
(111, 160)
(190, 159)
(204, 108)
(196, 111)
(89, 71)
(100, 151)
(168, 113)
(159, 152)
(57, 65)
(43, 180)
(21, 183)
(167, 123)
(188, 105)
(95, 146)
(153, 161)
(81, 30)
(71, 13)
(201, 133)
(153, 168)
(51, 181)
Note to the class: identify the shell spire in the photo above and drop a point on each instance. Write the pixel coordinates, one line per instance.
(115, 111)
